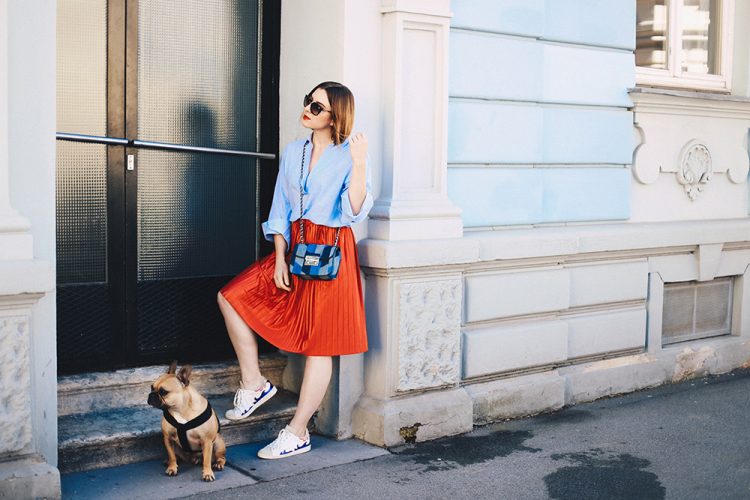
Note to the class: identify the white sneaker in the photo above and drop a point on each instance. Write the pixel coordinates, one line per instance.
(247, 401)
(286, 445)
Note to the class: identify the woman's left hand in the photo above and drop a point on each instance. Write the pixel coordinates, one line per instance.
(358, 147)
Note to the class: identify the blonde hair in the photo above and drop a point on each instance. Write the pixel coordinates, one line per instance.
(342, 109)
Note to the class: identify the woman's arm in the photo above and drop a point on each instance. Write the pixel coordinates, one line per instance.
(281, 272)
(357, 185)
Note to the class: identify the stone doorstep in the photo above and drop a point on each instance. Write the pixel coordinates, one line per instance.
(130, 387)
(133, 434)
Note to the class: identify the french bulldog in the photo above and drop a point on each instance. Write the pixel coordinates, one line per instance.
(188, 422)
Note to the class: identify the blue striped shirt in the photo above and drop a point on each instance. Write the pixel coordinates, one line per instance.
(325, 190)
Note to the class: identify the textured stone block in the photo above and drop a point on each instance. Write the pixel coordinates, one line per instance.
(501, 348)
(429, 347)
(15, 384)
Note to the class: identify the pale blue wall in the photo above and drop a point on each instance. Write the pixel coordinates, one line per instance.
(539, 128)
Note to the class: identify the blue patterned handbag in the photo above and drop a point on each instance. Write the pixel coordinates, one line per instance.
(315, 262)
(312, 261)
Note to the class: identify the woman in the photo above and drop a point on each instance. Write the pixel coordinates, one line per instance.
(318, 319)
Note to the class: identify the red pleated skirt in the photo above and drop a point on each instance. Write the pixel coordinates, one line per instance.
(317, 318)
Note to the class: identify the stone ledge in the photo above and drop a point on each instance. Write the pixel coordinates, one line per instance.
(382, 254)
(580, 239)
(29, 478)
(508, 243)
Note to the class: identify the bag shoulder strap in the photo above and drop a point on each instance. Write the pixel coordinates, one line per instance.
(301, 222)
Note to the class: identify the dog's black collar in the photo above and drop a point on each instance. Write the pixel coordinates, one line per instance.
(191, 424)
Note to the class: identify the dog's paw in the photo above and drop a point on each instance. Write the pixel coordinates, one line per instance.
(208, 476)
(219, 464)
(171, 469)
(197, 459)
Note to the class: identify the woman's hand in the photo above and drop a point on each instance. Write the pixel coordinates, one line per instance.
(281, 275)
(358, 148)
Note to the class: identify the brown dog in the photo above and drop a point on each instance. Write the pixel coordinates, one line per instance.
(188, 421)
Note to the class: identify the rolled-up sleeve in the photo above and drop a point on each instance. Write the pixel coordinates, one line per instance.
(281, 211)
(347, 214)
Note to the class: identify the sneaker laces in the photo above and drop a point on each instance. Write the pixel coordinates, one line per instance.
(241, 397)
(285, 436)
(277, 444)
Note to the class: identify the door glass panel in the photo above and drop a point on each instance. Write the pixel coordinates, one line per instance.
(83, 294)
(197, 81)
(197, 72)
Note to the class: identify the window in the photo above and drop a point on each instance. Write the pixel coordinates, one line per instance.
(684, 43)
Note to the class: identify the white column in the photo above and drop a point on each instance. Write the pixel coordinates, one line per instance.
(15, 241)
(28, 421)
(413, 202)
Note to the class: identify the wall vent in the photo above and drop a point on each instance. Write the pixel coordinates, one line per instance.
(694, 310)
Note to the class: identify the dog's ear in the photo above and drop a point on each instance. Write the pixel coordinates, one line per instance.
(172, 367)
(184, 374)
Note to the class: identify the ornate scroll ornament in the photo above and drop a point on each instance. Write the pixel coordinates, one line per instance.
(695, 168)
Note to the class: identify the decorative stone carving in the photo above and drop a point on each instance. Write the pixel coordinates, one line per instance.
(646, 167)
(429, 334)
(15, 406)
(695, 168)
(739, 167)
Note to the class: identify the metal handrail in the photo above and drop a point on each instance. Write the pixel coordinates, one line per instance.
(117, 141)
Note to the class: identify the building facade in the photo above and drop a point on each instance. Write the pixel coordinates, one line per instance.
(562, 214)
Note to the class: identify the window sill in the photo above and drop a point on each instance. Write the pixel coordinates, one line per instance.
(693, 94)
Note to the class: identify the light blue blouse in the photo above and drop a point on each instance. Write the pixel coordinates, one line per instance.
(325, 190)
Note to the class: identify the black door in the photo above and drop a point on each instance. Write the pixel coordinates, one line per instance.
(163, 106)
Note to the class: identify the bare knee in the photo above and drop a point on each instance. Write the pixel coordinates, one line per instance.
(221, 300)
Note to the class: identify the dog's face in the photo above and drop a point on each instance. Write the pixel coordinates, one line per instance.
(169, 390)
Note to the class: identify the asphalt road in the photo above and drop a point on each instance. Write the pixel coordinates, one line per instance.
(684, 441)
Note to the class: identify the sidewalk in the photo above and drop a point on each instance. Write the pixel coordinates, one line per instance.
(683, 441)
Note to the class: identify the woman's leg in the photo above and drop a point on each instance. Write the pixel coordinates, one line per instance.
(314, 385)
(244, 343)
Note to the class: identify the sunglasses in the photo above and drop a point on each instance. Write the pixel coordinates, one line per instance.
(315, 107)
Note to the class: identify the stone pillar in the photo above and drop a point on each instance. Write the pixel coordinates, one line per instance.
(413, 202)
(24, 442)
(412, 369)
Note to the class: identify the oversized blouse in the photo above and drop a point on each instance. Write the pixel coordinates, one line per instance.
(325, 190)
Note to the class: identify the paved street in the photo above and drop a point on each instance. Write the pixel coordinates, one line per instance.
(684, 441)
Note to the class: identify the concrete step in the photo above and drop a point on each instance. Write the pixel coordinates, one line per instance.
(92, 392)
(146, 480)
(112, 437)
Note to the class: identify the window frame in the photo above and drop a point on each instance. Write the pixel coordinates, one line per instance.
(673, 76)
